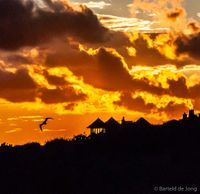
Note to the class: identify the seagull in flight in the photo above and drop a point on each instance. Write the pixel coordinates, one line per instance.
(44, 122)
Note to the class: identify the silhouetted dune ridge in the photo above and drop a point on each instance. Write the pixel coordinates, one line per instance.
(132, 157)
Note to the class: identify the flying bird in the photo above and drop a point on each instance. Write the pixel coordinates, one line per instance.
(44, 122)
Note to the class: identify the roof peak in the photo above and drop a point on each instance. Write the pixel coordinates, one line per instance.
(142, 120)
(98, 123)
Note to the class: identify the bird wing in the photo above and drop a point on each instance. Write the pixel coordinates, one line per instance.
(46, 119)
(41, 127)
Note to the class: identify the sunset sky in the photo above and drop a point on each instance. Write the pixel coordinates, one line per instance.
(79, 60)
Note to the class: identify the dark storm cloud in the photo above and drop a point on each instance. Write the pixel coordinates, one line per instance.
(18, 95)
(106, 70)
(145, 55)
(67, 94)
(135, 104)
(55, 80)
(17, 59)
(103, 70)
(23, 23)
(18, 86)
(189, 45)
(111, 72)
(195, 91)
(150, 56)
(63, 92)
(178, 88)
(18, 80)
(174, 110)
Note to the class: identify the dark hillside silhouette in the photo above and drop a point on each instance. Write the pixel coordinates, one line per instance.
(116, 158)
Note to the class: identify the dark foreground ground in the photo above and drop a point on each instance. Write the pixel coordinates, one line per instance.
(126, 162)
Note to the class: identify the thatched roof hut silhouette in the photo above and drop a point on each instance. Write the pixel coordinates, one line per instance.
(98, 126)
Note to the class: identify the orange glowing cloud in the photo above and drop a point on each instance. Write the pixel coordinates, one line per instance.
(168, 14)
(75, 65)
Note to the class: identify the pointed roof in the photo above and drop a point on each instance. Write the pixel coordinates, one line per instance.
(142, 122)
(111, 122)
(98, 123)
